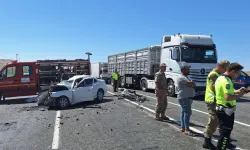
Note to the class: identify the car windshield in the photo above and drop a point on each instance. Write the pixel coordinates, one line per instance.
(194, 55)
(67, 83)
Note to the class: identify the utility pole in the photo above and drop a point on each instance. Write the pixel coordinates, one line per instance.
(89, 54)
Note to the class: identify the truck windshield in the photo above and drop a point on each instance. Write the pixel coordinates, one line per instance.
(194, 55)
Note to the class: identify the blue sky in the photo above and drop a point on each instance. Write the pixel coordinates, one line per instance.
(50, 29)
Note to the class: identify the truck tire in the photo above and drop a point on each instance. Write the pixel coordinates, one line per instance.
(171, 89)
(144, 86)
(123, 84)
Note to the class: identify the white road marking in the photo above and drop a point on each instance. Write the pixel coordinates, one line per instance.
(172, 119)
(55, 143)
(238, 122)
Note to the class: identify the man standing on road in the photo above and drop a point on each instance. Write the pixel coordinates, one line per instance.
(115, 80)
(185, 95)
(211, 103)
(226, 97)
(161, 93)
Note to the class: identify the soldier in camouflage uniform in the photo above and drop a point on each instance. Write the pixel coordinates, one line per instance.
(161, 93)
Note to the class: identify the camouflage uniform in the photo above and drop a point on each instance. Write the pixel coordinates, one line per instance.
(161, 95)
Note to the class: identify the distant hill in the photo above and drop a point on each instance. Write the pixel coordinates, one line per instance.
(4, 61)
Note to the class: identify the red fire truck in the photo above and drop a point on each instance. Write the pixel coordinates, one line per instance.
(31, 78)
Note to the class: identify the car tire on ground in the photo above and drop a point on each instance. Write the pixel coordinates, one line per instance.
(2, 97)
(62, 102)
(100, 95)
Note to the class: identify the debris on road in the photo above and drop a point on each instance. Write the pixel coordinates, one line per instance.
(111, 129)
(131, 95)
(87, 125)
(77, 119)
(42, 109)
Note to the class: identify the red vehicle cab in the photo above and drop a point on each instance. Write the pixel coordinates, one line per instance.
(30, 78)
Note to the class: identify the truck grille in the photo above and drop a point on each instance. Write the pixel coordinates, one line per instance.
(199, 75)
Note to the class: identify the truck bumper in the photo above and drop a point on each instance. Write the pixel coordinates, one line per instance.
(200, 91)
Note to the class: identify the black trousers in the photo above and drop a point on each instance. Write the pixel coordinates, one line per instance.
(115, 85)
(226, 124)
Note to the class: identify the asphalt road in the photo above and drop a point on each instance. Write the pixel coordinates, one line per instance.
(113, 124)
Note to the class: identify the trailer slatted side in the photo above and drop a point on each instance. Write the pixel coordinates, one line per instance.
(143, 61)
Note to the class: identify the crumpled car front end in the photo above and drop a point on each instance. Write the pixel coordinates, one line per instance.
(48, 98)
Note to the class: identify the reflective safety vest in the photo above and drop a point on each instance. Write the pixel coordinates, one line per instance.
(115, 76)
(224, 85)
(210, 95)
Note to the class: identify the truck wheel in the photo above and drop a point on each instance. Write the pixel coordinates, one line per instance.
(123, 84)
(171, 88)
(144, 86)
(62, 102)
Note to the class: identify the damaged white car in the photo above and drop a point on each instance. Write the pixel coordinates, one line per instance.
(77, 89)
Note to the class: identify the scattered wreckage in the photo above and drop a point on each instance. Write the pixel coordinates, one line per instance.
(131, 95)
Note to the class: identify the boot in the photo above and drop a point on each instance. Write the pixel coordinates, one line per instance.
(164, 117)
(157, 117)
(231, 146)
(208, 144)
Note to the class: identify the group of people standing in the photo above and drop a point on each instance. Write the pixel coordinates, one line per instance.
(220, 98)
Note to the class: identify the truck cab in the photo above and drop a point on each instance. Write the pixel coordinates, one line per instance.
(18, 79)
(197, 51)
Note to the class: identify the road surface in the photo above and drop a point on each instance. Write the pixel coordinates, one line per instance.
(113, 124)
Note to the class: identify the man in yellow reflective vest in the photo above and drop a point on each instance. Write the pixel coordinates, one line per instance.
(115, 77)
(226, 97)
(211, 104)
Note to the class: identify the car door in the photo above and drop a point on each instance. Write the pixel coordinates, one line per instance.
(9, 81)
(28, 80)
(83, 91)
(95, 87)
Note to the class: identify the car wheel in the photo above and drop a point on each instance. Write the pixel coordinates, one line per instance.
(2, 97)
(63, 102)
(100, 95)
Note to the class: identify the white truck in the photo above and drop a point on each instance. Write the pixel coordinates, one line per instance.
(100, 70)
(137, 68)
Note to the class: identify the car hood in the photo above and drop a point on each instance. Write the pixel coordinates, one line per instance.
(56, 88)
